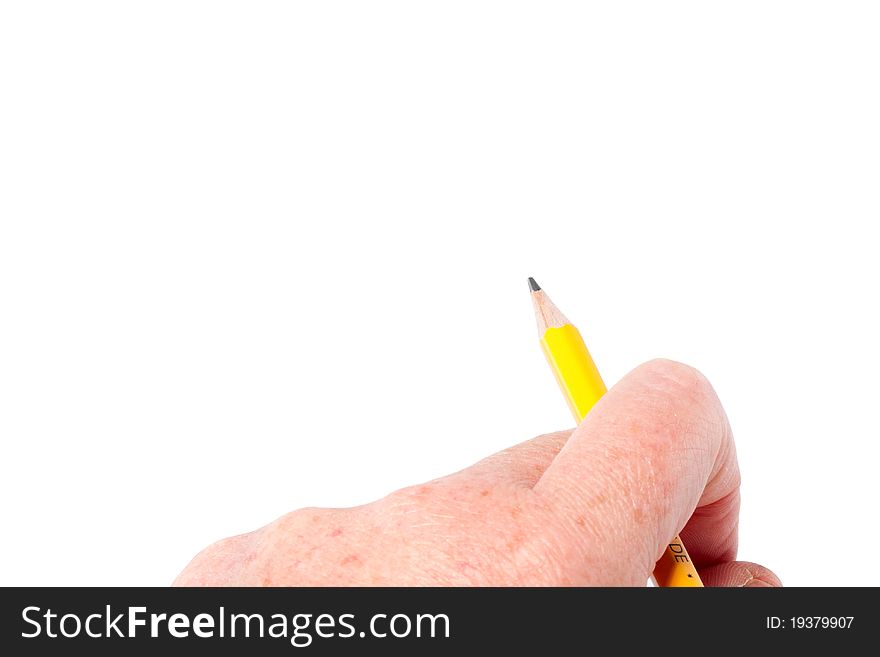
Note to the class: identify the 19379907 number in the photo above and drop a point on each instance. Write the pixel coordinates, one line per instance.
(810, 622)
(821, 622)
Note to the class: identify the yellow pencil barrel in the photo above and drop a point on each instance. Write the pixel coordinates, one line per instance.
(675, 567)
(575, 370)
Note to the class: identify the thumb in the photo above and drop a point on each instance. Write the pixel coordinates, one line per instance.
(739, 573)
(652, 450)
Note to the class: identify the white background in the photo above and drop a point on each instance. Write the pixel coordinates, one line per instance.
(260, 256)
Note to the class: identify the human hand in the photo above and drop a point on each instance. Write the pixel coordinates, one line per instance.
(593, 506)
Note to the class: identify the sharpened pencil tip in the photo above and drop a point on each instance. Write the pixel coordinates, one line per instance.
(533, 285)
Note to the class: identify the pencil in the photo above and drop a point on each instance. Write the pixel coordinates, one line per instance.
(580, 382)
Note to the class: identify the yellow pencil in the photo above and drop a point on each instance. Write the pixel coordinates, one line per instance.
(582, 386)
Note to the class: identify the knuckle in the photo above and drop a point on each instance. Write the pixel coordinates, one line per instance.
(673, 376)
(419, 496)
(682, 407)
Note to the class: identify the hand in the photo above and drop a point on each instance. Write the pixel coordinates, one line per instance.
(593, 506)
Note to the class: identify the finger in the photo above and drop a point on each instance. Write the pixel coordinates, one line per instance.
(652, 450)
(711, 533)
(522, 464)
(739, 573)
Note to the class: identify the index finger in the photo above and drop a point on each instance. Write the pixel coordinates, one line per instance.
(654, 454)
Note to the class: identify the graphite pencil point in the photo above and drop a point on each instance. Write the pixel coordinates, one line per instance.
(533, 285)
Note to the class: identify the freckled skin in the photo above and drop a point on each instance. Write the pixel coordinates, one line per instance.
(655, 457)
